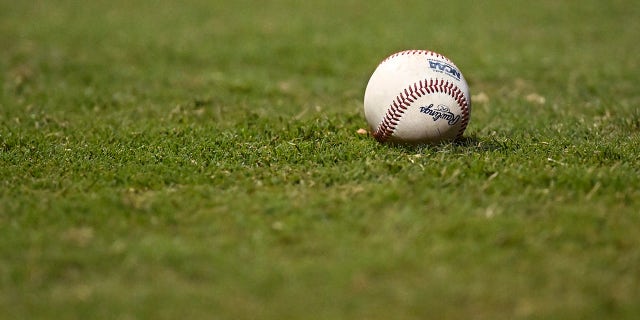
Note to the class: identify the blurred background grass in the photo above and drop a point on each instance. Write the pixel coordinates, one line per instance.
(319, 49)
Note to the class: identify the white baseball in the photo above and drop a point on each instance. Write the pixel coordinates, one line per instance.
(417, 97)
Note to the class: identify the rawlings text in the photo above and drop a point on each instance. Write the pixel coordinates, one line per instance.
(440, 112)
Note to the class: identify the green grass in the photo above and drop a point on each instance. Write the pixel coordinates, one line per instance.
(199, 160)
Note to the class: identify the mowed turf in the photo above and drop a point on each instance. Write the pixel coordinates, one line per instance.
(199, 160)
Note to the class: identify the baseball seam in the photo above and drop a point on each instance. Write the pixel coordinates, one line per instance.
(414, 52)
(402, 102)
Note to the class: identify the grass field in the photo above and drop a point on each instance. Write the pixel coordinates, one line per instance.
(199, 160)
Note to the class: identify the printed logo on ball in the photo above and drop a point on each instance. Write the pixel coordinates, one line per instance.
(440, 112)
(442, 67)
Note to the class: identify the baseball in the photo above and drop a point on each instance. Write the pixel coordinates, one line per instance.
(417, 97)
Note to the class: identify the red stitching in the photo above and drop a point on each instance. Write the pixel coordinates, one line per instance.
(414, 52)
(401, 103)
